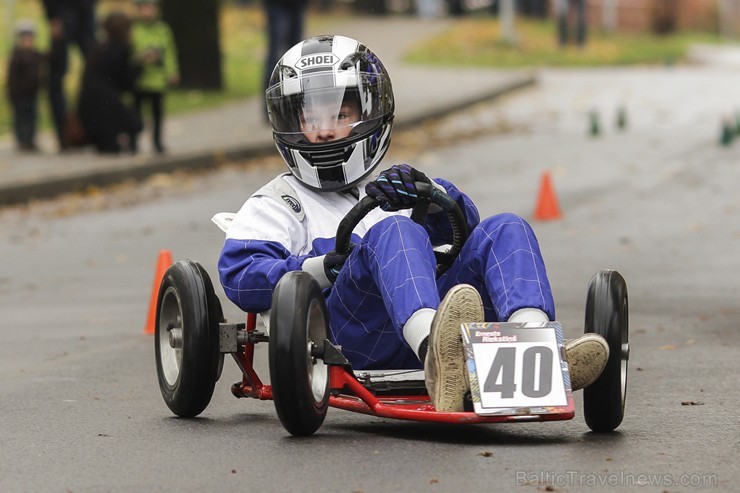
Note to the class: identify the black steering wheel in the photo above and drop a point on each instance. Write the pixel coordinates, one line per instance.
(427, 194)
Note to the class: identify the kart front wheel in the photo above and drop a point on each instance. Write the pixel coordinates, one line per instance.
(186, 339)
(298, 328)
(607, 314)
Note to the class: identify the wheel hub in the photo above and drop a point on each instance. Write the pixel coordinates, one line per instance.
(175, 338)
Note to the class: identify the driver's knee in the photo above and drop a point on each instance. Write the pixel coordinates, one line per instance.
(397, 228)
(504, 225)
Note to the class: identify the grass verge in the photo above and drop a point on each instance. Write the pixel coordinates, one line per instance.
(477, 41)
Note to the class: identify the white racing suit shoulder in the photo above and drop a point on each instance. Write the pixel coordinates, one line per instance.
(280, 190)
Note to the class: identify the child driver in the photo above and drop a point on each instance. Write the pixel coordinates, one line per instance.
(331, 107)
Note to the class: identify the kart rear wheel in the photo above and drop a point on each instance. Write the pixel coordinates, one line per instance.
(300, 381)
(607, 314)
(186, 339)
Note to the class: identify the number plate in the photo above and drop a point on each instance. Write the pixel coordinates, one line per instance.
(515, 368)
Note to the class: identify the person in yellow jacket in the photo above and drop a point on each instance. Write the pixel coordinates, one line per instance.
(154, 48)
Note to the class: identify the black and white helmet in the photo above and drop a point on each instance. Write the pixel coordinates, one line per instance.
(331, 106)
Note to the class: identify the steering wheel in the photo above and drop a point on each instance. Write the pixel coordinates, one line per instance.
(427, 194)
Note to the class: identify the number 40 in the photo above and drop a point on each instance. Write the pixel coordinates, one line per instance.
(504, 365)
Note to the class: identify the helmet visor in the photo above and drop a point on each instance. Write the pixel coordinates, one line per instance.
(312, 109)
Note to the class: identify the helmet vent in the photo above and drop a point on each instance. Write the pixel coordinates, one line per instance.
(328, 158)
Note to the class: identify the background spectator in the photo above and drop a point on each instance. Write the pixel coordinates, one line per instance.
(566, 10)
(285, 20)
(109, 73)
(533, 8)
(24, 78)
(70, 21)
(154, 48)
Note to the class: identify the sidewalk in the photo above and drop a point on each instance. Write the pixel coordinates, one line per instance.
(237, 131)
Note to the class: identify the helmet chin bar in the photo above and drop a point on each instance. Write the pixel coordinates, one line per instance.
(339, 166)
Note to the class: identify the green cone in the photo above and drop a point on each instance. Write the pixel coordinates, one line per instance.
(595, 127)
(728, 134)
(621, 118)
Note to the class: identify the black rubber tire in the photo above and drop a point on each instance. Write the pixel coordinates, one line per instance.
(300, 383)
(187, 375)
(607, 314)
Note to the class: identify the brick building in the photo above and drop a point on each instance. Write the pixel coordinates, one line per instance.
(648, 15)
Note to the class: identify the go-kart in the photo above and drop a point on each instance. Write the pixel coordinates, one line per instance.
(514, 375)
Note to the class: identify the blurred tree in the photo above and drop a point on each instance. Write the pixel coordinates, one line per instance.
(377, 7)
(507, 13)
(728, 12)
(455, 7)
(195, 27)
(609, 16)
(533, 8)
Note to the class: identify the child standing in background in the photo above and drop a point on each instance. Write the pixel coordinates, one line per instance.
(154, 48)
(24, 79)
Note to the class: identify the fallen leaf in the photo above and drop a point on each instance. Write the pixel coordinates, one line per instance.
(485, 453)
(433, 481)
(692, 403)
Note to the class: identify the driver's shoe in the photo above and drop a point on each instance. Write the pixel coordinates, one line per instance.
(587, 357)
(444, 365)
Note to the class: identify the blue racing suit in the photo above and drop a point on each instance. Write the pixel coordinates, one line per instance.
(389, 275)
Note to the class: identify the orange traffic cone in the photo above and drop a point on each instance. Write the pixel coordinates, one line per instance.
(547, 208)
(163, 263)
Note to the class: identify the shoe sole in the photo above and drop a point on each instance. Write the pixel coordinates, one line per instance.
(462, 304)
(587, 358)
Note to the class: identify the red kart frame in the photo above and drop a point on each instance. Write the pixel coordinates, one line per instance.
(191, 338)
(349, 394)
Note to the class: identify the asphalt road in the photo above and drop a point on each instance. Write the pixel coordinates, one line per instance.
(81, 409)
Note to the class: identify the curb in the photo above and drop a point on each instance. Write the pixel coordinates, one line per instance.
(16, 193)
(527, 80)
(98, 178)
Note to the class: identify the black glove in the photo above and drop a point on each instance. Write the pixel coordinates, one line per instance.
(395, 187)
(333, 263)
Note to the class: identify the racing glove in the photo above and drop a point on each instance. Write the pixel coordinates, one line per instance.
(395, 187)
(333, 263)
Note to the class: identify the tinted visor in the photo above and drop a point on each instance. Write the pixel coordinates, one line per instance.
(301, 108)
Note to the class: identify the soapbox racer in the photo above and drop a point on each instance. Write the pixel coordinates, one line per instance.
(511, 380)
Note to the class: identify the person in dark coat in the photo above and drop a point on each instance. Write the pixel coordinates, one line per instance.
(24, 78)
(565, 10)
(109, 74)
(285, 21)
(70, 22)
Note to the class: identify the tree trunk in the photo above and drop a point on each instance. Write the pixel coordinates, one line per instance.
(195, 27)
(507, 11)
(609, 16)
